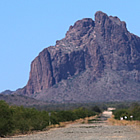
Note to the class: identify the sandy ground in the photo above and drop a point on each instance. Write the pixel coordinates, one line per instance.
(95, 130)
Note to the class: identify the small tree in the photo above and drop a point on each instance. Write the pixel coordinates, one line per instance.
(96, 109)
(6, 121)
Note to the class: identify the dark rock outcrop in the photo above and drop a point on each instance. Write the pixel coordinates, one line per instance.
(90, 47)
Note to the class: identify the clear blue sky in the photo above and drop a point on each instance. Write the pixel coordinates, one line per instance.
(28, 26)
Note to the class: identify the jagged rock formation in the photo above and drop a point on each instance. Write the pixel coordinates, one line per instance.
(103, 54)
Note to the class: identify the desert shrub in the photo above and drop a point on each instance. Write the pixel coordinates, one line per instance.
(27, 119)
(6, 121)
(82, 113)
(66, 116)
(135, 111)
(40, 120)
(53, 118)
(120, 113)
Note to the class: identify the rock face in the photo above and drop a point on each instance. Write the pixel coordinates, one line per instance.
(99, 49)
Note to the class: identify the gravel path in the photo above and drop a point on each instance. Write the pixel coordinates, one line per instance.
(96, 130)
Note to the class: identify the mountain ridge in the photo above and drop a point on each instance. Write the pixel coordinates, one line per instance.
(91, 49)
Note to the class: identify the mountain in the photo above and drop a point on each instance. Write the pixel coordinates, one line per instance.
(13, 99)
(96, 61)
(7, 92)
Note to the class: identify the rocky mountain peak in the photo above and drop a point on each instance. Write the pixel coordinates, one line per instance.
(79, 30)
(94, 51)
(109, 25)
(100, 17)
(81, 26)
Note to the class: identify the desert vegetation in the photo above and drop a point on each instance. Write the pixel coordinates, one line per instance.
(131, 113)
(21, 120)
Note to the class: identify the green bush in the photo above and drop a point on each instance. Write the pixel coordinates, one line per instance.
(82, 113)
(40, 120)
(120, 113)
(66, 116)
(135, 111)
(53, 118)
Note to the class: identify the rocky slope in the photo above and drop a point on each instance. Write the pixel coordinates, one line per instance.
(96, 61)
(13, 99)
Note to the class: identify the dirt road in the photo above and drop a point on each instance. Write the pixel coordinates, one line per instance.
(95, 130)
